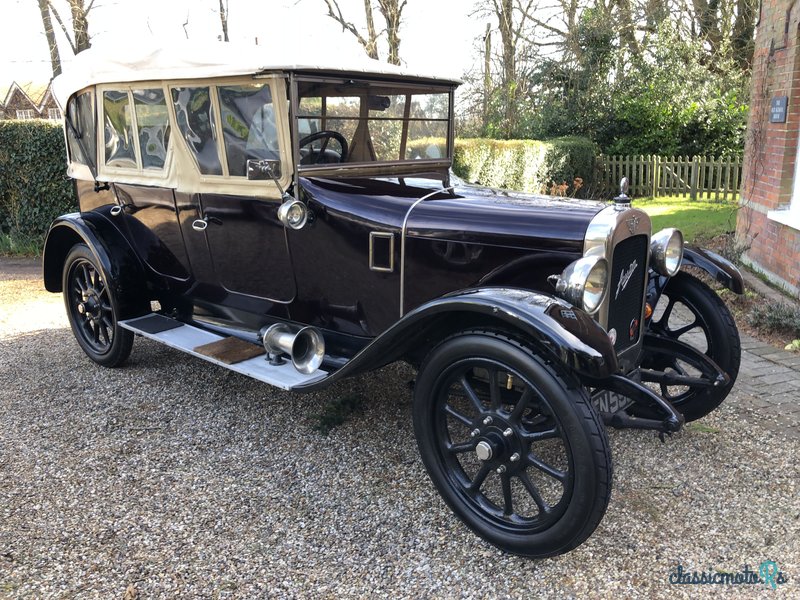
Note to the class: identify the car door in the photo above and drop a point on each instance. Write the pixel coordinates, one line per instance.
(135, 153)
(224, 126)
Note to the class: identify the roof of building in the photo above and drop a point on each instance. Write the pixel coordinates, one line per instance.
(35, 92)
(190, 60)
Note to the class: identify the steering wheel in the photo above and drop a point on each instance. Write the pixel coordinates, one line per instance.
(325, 134)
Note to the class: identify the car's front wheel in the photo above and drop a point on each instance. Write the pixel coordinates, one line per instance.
(93, 311)
(515, 449)
(692, 313)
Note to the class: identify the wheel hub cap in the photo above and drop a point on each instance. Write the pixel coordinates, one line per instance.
(484, 451)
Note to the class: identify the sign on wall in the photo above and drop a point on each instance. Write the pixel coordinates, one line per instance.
(777, 109)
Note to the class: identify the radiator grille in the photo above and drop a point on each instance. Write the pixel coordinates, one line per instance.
(628, 272)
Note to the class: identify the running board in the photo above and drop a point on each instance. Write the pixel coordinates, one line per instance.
(187, 337)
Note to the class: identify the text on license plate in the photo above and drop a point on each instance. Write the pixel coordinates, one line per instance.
(606, 401)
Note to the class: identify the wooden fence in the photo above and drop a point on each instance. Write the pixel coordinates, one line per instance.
(700, 177)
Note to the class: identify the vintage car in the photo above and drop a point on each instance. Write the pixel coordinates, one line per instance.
(298, 222)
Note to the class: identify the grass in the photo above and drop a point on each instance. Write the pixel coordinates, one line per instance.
(695, 218)
(335, 412)
(701, 428)
(15, 245)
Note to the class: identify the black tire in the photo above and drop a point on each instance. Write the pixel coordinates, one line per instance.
(554, 493)
(693, 313)
(93, 310)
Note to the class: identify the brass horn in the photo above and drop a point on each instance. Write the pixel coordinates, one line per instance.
(305, 346)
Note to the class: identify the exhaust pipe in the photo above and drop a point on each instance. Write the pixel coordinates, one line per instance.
(305, 346)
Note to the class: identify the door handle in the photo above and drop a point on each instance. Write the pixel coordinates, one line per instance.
(199, 225)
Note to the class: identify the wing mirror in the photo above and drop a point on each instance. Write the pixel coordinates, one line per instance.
(292, 213)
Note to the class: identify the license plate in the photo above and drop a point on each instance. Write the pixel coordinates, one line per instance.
(606, 401)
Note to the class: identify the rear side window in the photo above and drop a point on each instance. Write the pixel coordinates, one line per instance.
(195, 120)
(118, 135)
(80, 129)
(248, 125)
(152, 127)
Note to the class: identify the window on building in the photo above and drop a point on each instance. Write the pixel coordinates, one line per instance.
(54, 113)
(790, 215)
(26, 114)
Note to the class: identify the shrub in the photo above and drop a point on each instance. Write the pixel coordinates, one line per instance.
(776, 317)
(562, 165)
(34, 187)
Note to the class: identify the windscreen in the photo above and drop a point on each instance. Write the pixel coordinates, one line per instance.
(352, 122)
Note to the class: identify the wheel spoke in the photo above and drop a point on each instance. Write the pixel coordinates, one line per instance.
(536, 436)
(494, 389)
(545, 468)
(508, 501)
(479, 478)
(471, 394)
(534, 492)
(86, 277)
(679, 332)
(104, 333)
(667, 312)
(96, 332)
(460, 448)
(521, 405)
(457, 415)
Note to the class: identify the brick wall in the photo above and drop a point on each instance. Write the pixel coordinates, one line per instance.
(771, 148)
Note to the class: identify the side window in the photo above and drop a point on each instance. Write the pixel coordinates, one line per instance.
(119, 143)
(248, 125)
(80, 129)
(195, 118)
(152, 124)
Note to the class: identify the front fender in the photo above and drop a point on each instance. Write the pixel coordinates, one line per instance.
(121, 269)
(566, 335)
(719, 267)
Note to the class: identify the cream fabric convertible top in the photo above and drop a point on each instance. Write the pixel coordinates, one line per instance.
(190, 60)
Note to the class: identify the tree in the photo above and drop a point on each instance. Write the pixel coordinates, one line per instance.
(223, 17)
(633, 75)
(392, 13)
(55, 57)
(79, 39)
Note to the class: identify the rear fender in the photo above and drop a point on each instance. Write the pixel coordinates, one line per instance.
(559, 331)
(120, 266)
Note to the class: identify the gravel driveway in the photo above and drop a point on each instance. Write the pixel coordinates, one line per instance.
(170, 477)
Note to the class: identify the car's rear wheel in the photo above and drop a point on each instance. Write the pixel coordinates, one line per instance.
(515, 449)
(93, 310)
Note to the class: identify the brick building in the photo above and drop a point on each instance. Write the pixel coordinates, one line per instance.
(28, 101)
(769, 221)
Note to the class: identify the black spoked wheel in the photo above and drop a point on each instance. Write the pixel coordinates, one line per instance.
(692, 313)
(518, 455)
(91, 308)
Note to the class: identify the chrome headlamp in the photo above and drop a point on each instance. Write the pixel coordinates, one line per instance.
(584, 282)
(666, 251)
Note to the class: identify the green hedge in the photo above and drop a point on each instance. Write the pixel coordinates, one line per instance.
(34, 187)
(528, 165)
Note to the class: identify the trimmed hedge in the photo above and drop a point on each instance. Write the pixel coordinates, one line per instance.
(34, 187)
(549, 166)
